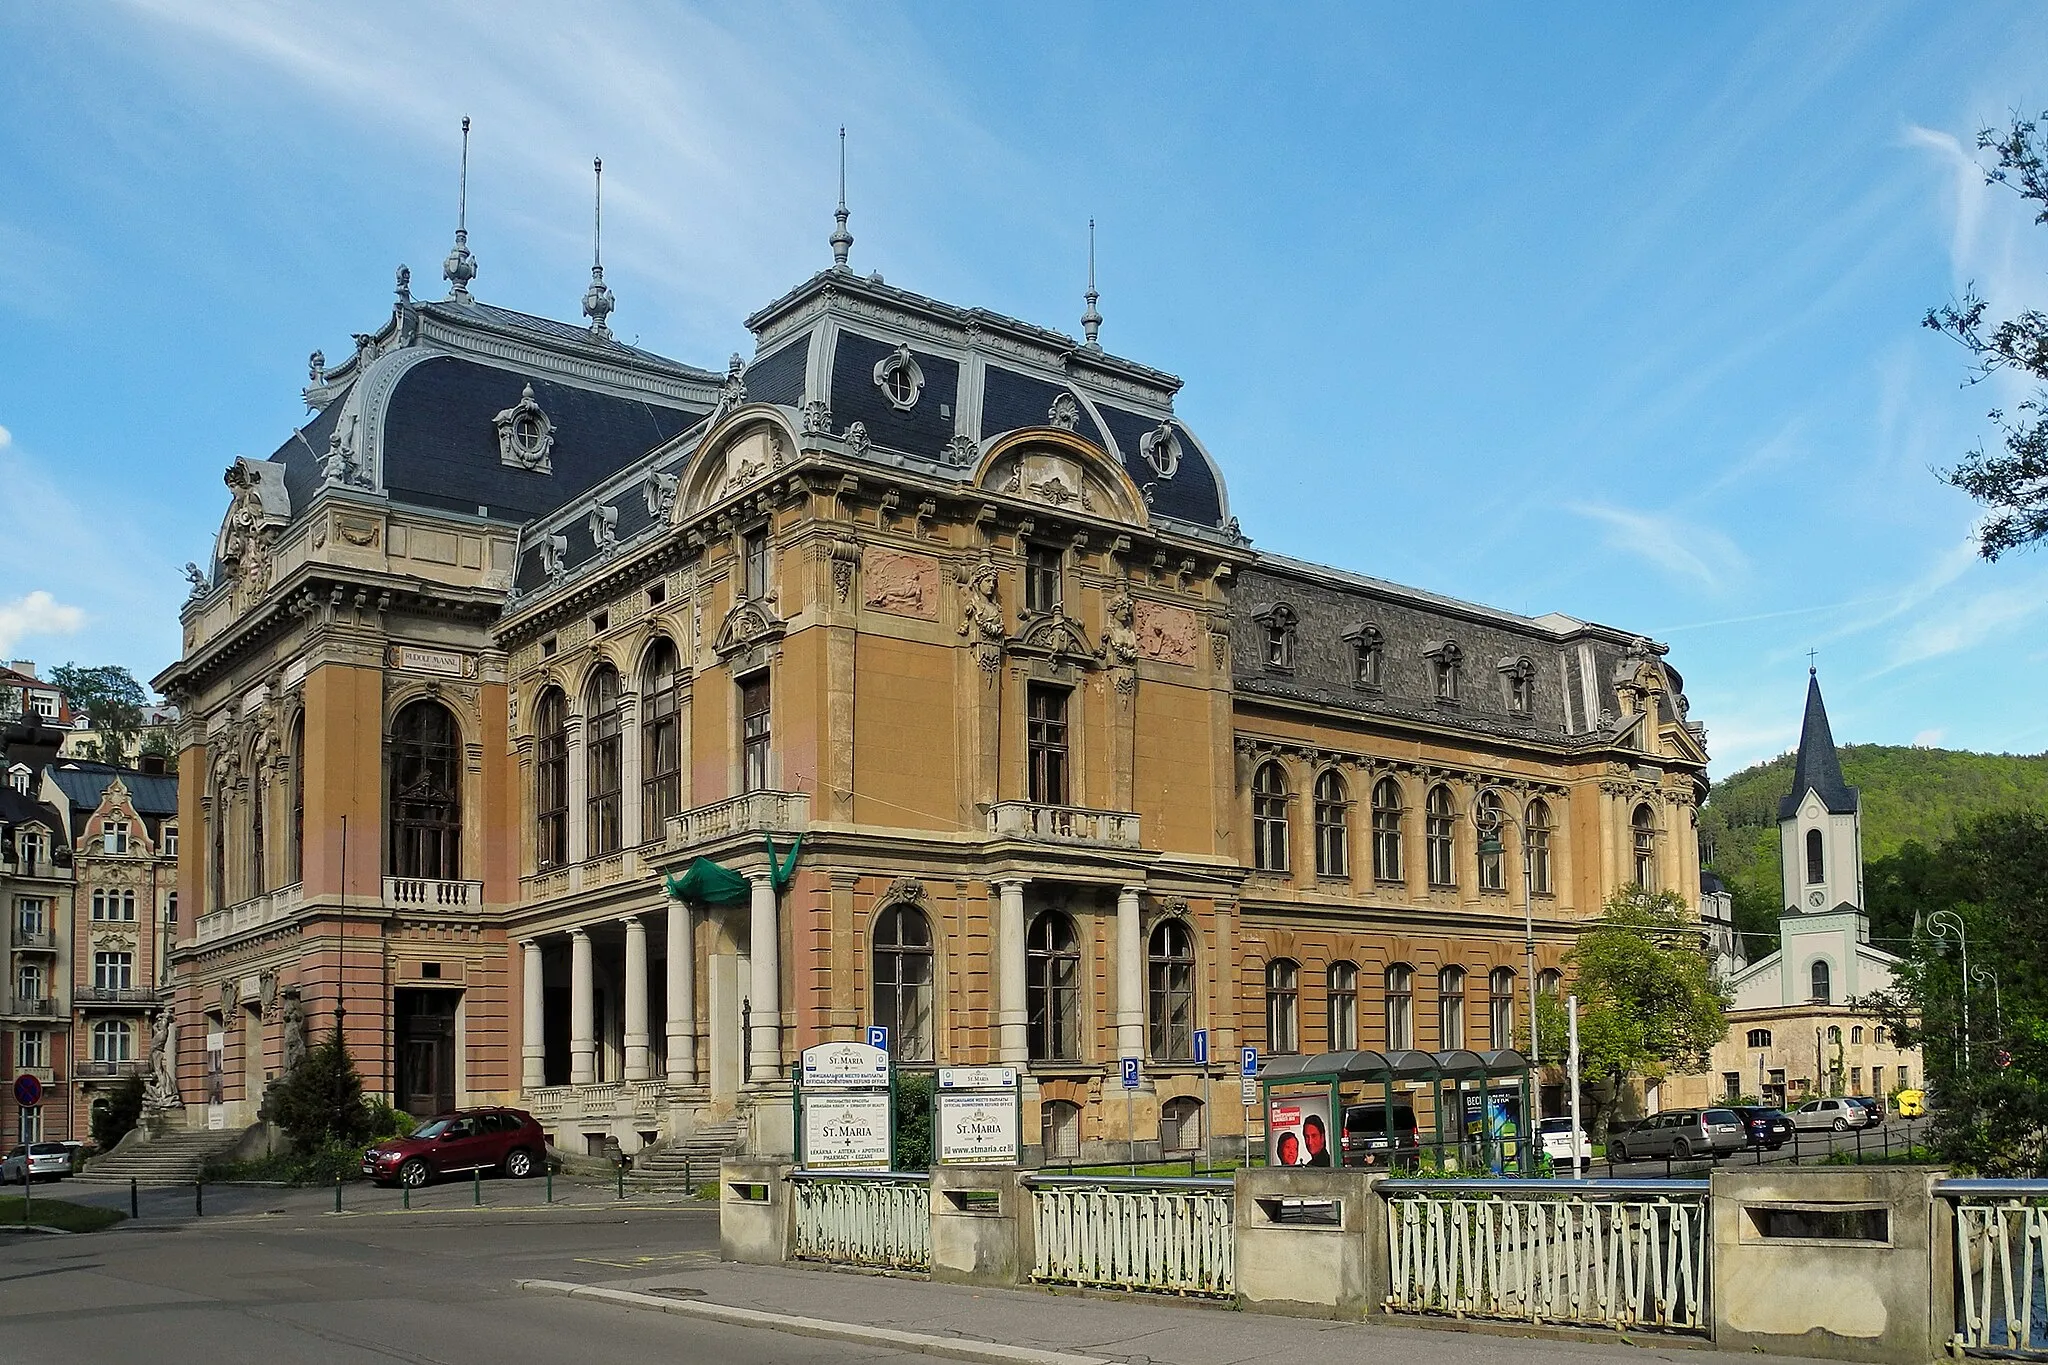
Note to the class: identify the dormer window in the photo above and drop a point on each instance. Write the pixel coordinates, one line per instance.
(1043, 572)
(1518, 684)
(1277, 625)
(1368, 654)
(754, 564)
(1445, 661)
(898, 377)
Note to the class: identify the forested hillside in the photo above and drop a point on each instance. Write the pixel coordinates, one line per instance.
(1913, 799)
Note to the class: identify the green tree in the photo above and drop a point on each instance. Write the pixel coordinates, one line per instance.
(320, 1102)
(117, 1117)
(913, 1117)
(1984, 1048)
(110, 695)
(1648, 1002)
(157, 744)
(2013, 482)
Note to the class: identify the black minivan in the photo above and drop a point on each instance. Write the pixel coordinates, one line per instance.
(1365, 1135)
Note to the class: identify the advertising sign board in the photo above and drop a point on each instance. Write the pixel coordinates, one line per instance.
(1299, 1131)
(845, 1066)
(849, 1129)
(977, 1128)
(977, 1078)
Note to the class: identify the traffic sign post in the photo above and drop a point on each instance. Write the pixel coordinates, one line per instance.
(1201, 1047)
(878, 1036)
(1132, 1075)
(28, 1091)
(1248, 1076)
(1248, 1062)
(1208, 1114)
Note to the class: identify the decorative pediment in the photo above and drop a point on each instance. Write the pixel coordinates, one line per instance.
(1056, 637)
(1057, 469)
(746, 452)
(747, 626)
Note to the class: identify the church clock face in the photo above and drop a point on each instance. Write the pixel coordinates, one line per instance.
(1817, 900)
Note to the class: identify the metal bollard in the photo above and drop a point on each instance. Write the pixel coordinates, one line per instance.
(477, 1186)
(134, 1200)
(337, 1194)
(405, 1193)
(551, 1185)
(622, 1179)
(198, 1199)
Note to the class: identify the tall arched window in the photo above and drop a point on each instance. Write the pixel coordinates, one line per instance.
(1440, 835)
(217, 852)
(903, 981)
(551, 780)
(1269, 818)
(426, 793)
(1549, 982)
(259, 880)
(1816, 857)
(661, 739)
(1400, 1006)
(1500, 1008)
(1536, 829)
(603, 751)
(1283, 1032)
(1171, 967)
(1450, 1007)
(1386, 830)
(296, 851)
(1823, 985)
(1493, 832)
(1643, 829)
(1052, 989)
(1343, 1000)
(1333, 819)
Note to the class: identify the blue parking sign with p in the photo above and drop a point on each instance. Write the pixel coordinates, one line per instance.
(1249, 1062)
(878, 1036)
(1130, 1073)
(1202, 1046)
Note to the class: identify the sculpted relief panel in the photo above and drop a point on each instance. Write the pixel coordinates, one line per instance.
(900, 584)
(1168, 634)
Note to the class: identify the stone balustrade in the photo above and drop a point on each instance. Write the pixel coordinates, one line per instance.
(1064, 824)
(253, 913)
(754, 812)
(428, 893)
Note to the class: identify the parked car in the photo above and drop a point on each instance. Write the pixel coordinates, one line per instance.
(1839, 1115)
(1680, 1133)
(1872, 1106)
(1365, 1135)
(505, 1140)
(1764, 1127)
(36, 1161)
(1555, 1137)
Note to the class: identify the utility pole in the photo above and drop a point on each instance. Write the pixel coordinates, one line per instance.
(1571, 1006)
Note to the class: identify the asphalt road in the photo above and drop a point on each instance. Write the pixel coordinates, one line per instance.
(304, 1285)
(1813, 1146)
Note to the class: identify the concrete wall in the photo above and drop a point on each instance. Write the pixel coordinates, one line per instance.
(756, 1212)
(1287, 1264)
(978, 1218)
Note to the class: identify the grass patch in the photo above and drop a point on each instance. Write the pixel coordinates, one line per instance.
(708, 1192)
(56, 1213)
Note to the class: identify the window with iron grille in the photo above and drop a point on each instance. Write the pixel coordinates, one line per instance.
(426, 793)
(1180, 1126)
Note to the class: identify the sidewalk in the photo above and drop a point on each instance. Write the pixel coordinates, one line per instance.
(1140, 1330)
(176, 1203)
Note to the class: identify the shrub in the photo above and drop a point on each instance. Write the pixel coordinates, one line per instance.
(320, 1103)
(913, 1116)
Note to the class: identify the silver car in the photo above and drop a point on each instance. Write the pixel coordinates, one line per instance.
(1680, 1133)
(1837, 1115)
(37, 1161)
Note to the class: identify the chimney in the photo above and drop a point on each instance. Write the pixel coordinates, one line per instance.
(25, 667)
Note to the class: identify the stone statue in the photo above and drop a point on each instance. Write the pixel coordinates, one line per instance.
(160, 1090)
(295, 1043)
(982, 616)
(196, 576)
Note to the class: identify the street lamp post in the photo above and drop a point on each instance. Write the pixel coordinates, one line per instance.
(1946, 924)
(1983, 976)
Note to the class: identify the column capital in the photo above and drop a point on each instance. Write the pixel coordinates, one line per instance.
(631, 921)
(1009, 883)
(1131, 889)
(583, 934)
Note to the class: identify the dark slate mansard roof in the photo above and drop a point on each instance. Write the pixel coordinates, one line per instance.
(84, 784)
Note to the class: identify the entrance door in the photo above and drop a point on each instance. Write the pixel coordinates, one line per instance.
(426, 1052)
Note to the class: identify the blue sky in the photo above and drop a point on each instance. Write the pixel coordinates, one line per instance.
(1612, 312)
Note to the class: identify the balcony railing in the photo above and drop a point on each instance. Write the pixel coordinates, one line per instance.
(254, 913)
(753, 813)
(41, 1005)
(41, 939)
(114, 995)
(428, 893)
(87, 1070)
(1063, 824)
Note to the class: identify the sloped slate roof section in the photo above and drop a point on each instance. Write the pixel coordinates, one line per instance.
(1010, 400)
(16, 809)
(1819, 769)
(441, 448)
(1190, 495)
(551, 329)
(305, 450)
(856, 398)
(85, 783)
(779, 378)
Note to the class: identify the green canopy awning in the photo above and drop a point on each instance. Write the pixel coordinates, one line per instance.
(707, 883)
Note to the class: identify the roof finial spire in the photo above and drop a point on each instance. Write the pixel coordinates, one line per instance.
(597, 300)
(1091, 321)
(460, 267)
(842, 240)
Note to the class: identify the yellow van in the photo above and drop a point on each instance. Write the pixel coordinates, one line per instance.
(1912, 1103)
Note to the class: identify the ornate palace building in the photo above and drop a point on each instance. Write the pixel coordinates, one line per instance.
(932, 625)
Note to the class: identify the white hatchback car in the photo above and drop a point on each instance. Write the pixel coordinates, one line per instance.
(1555, 1135)
(1835, 1115)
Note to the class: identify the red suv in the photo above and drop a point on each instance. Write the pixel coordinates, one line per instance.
(507, 1140)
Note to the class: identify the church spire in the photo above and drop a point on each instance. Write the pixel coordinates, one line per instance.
(597, 300)
(842, 240)
(1091, 320)
(1819, 767)
(460, 267)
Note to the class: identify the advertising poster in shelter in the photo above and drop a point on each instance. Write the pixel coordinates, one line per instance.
(1299, 1131)
(849, 1129)
(1495, 1118)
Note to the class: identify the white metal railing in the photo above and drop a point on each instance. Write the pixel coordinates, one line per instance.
(2001, 1252)
(880, 1219)
(1597, 1253)
(1164, 1235)
(1066, 824)
(253, 913)
(754, 812)
(432, 893)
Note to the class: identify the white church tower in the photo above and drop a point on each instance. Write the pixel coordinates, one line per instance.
(1824, 933)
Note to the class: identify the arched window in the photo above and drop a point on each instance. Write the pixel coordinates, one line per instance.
(296, 851)
(1269, 818)
(1822, 986)
(1343, 998)
(1450, 1007)
(1060, 1130)
(1386, 830)
(1500, 1008)
(661, 739)
(1440, 837)
(1493, 858)
(903, 981)
(1333, 816)
(1834, 1035)
(1283, 1034)
(1180, 1126)
(1549, 982)
(1643, 828)
(1816, 857)
(1172, 980)
(1536, 829)
(551, 780)
(1400, 1006)
(426, 793)
(602, 754)
(113, 1041)
(259, 880)
(1053, 988)
(1759, 1037)
(217, 854)
(1856, 1034)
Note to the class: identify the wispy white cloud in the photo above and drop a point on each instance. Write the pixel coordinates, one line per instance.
(6, 438)
(1929, 739)
(1955, 628)
(38, 613)
(1680, 548)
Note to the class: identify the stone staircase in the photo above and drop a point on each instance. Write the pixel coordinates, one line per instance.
(173, 1159)
(691, 1162)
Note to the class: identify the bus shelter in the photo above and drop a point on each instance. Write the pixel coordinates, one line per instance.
(1479, 1105)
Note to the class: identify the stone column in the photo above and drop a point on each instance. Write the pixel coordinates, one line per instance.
(533, 1046)
(582, 1012)
(682, 996)
(578, 759)
(636, 999)
(630, 773)
(1130, 975)
(1013, 1042)
(765, 985)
